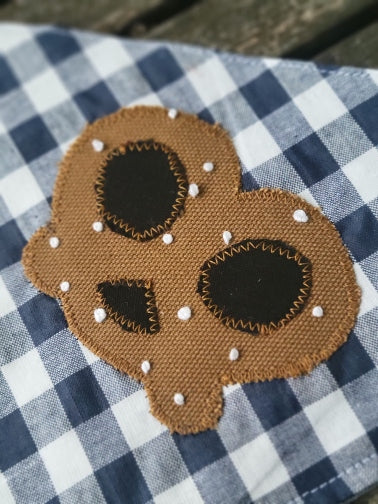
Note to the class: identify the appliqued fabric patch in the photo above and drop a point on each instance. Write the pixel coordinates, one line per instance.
(141, 189)
(131, 303)
(172, 274)
(256, 285)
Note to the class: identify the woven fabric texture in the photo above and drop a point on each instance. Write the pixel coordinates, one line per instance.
(191, 357)
(73, 429)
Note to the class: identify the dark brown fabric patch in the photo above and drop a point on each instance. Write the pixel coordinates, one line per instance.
(141, 189)
(131, 303)
(256, 285)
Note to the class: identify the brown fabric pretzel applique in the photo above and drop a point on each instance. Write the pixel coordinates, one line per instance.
(172, 274)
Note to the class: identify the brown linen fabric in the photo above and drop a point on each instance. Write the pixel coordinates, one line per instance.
(188, 357)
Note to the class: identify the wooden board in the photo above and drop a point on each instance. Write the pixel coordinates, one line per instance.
(99, 15)
(369, 498)
(293, 27)
(360, 49)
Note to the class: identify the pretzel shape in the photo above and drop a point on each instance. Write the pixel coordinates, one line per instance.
(244, 286)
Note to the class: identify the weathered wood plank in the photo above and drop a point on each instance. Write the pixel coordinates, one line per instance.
(360, 49)
(100, 15)
(260, 27)
(369, 498)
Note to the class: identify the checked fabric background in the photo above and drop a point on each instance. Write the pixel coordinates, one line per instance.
(72, 429)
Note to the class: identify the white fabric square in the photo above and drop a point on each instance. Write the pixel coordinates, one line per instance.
(13, 35)
(369, 295)
(108, 57)
(135, 420)
(6, 496)
(374, 75)
(7, 305)
(363, 174)
(306, 194)
(260, 466)
(320, 105)
(64, 147)
(334, 421)
(184, 492)
(149, 99)
(271, 62)
(20, 191)
(66, 461)
(27, 377)
(46, 91)
(255, 145)
(229, 389)
(211, 81)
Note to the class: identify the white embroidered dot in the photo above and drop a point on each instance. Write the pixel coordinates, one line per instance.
(193, 190)
(146, 366)
(317, 311)
(184, 313)
(167, 238)
(65, 286)
(98, 226)
(97, 145)
(227, 236)
(300, 216)
(234, 354)
(99, 315)
(179, 399)
(54, 242)
(208, 166)
(172, 113)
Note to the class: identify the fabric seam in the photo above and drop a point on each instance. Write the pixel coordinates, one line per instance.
(247, 60)
(344, 472)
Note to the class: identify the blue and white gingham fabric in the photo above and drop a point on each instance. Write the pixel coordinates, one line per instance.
(73, 429)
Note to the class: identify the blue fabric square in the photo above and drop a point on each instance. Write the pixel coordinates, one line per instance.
(160, 69)
(311, 159)
(350, 361)
(12, 242)
(273, 401)
(42, 317)
(121, 481)
(55, 500)
(8, 80)
(311, 484)
(359, 231)
(265, 94)
(249, 182)
(206, 115)
(81, 396)
(220, 483)
(96, 102)
(314, 476)
(373, 435)
(58, 46)
(200, 450)
(33, 138)
(16, 442)
(365, 115)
